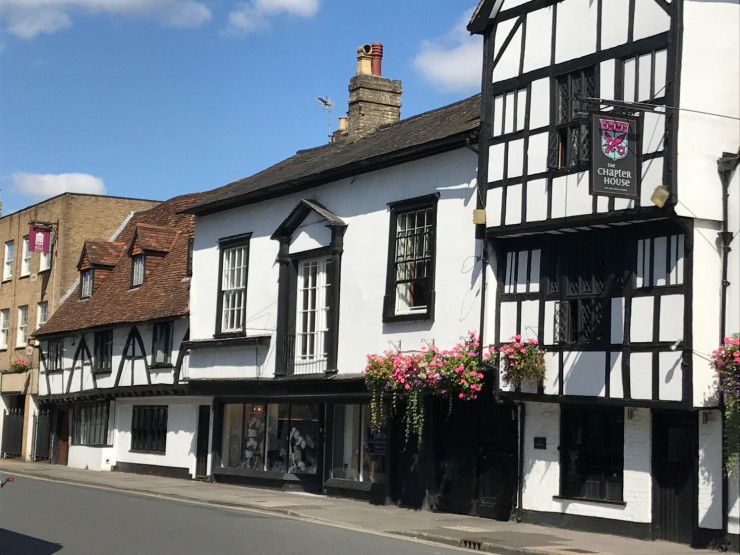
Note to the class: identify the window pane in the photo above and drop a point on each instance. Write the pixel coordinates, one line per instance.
(278, 431)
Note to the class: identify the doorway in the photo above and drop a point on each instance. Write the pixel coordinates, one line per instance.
(201, 447)
(675, 445)
(61, 435)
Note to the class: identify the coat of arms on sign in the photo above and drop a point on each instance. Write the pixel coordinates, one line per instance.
(614, 143)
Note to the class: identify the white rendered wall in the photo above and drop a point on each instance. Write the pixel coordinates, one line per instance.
(182, 426)
(732, 324)
(707, 284)
(362, 204)
(710, 73)
(542, 468)
(90, 458)
(710, 470)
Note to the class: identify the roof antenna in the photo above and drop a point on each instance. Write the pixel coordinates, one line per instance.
(327, 105)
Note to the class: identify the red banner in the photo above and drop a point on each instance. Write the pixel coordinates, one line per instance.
(39, 238)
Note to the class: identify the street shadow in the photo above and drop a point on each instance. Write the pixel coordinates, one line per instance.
(18, 544)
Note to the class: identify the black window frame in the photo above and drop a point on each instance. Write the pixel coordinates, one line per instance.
(224, 245)
(162, 331)
(90, 424)
(592, 441)
(103, 351)
(570, 126)
(54, 355)
(398, 209)
(149, 428)
(83, 293)
(134, 259)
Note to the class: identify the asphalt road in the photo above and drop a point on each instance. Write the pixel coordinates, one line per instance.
(43, 518)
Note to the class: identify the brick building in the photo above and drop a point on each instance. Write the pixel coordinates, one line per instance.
(32, 287)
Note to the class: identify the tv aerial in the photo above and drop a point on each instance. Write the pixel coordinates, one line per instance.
(326, 104)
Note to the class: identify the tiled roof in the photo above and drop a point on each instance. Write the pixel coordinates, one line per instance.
(155, 238)
(392, 144)
(103, 253)
(165, 292)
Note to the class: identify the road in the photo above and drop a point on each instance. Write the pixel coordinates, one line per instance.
(43, 518)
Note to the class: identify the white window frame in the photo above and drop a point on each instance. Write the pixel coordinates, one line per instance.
(137, 272)
(87, 279)
(312, 315)
(45, 258)
(25, 258)
(8, 268)
(42, 313)
(233, 288)
(4, 327)
(22, 331)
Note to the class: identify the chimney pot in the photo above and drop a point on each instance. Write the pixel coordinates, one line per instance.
(364, 60)
(376, 57)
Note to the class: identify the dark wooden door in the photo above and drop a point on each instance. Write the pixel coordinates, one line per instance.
(497, 461)
(201, 449)
(675, 445)
(62, 435)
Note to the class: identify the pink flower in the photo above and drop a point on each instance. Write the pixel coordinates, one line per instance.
(462, 395)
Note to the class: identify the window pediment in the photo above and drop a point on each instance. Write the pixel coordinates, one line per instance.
(305, 208)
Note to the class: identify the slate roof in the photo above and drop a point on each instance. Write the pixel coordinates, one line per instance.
(165, 292)
(422, 135)
(103, 253)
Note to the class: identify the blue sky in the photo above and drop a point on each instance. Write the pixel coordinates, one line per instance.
(155, 98)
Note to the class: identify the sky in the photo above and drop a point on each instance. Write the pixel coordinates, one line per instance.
(156, 98)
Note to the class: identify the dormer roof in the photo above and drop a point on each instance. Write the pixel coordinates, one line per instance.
(101, 254)
(152, 239)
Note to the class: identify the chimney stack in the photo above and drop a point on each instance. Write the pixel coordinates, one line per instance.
(374, 101)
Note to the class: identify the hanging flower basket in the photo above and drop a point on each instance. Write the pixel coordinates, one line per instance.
(524, 362)
(451, 373)
(20, 365)
(726, 363)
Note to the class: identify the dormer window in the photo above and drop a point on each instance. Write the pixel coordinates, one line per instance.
(86, 284)
(137, 276)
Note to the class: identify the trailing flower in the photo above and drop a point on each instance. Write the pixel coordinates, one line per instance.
(20, 365)
(524, 361)
(726, 363)
(449, 373)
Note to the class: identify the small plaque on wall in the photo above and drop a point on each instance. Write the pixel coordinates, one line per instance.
(540, 443)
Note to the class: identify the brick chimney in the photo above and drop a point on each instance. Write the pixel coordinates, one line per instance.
(374, 100)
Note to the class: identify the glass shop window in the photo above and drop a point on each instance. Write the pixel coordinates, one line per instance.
(358, 453)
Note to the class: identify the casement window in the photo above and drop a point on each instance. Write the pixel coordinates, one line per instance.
(312, 315)
(570, 143)
(22, 334)
(42, 313)
(103, 351)
(86, 283)
(592, 453)
(411, 264)
(137, 274)
(8, 267)
(25, 258)
(232, 286)
(54, 355)
(149, 428)
(90, 424)
(161, 343)
(4, 325)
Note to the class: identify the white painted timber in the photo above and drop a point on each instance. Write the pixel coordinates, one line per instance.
(616, 386)
(513, 204)
(539, 27)
(641, 322)
(583, 373)
(672, 318)
(670, 376)
(641, 375)
(617, 322)
(575, 35)
(710, 470)
(614, 24)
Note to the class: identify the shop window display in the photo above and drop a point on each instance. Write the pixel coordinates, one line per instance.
(274, 437)
(358, 452)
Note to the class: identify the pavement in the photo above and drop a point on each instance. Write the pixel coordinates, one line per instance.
(477, 534)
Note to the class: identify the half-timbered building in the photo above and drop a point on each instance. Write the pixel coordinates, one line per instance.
(607, 230)
(113, 365)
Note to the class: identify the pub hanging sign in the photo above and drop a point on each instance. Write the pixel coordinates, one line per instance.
(614, 149)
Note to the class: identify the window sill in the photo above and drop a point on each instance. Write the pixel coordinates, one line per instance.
(23, 276)
(43, 270)
(55, 371)
(102, 372)
(161, 366)
(408, 317)
(22, 346)
(9, 278)
(94, 445)
(219, 341)
(589, 500)
(147, 452)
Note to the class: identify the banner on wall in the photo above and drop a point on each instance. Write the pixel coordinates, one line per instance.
(614, 155)
(39, 238)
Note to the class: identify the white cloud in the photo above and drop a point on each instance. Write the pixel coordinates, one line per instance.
(453, 62)
(255, 15)
(41, 186)
(29, 18)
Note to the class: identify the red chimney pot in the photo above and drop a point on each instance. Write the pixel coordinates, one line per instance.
(376, 58)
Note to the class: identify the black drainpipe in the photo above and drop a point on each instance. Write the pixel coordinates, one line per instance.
(725, 167)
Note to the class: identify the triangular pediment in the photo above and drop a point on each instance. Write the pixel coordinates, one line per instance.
(304, 210)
